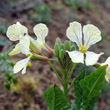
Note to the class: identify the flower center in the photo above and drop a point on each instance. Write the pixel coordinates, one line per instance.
(83, 49)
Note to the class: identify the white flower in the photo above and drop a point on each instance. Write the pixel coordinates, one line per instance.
(19, 32)
(41, 31)
(107, 62)
(21, 65)
(22, 46)
(92, 35)
(16, 31)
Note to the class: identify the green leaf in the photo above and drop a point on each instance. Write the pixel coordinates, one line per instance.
(87, 89)
(92, 86)
(55, 99)
(78, 90)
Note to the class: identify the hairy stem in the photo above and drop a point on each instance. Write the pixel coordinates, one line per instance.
(70, 74)
(57, 74)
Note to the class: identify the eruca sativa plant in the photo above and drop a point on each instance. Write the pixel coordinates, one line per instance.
(70, 55)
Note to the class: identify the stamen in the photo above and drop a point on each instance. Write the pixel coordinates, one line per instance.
(83, 49)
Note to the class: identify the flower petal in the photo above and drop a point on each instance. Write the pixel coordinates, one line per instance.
(16, 50)
(25, 44)
(76, 56)
(41, 31)
(74, 33)
(92, 58)
(107, 76)
(22, 46)
(14, 31)
(92, 35)
(21, 65)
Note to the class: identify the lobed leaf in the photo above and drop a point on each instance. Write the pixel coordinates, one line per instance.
(55, 99)
(87, 89)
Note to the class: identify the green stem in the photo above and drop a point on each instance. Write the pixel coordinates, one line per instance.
(57, 63)
(65, 86)
(69, 77)
(71, 84)
(58, 76)
(53, 60)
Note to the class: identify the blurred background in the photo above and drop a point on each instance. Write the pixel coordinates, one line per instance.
(24, 92)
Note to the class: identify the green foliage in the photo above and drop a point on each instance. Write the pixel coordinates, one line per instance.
(60, 50)
(76, 4)
(6, 67)
(4, 42)
(78, 90)
(55, 99)
(88, 88)
(3, 28)
(42, 13)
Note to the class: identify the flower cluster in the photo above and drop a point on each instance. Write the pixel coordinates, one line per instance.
(27, 45)
(30, 47)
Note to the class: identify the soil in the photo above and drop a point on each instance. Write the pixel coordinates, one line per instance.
(40, 71)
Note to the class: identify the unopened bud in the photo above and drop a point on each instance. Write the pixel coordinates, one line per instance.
(61, 54)
(50, 50)
(58, 41)
(66, 45)
(39, 57)
(57, 49)
(71, 43)
(72, 48)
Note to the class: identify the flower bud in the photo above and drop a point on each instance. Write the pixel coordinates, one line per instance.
(66, 45)
(39, 57)
(62, 46)
(72, 48)
(71, 43)
(57, 49)
(61, 54)
(58, 41)
(50, 50)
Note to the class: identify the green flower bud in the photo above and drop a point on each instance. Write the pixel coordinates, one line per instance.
(71, 43)
(62, 46)
(66, 45)
(72, 48)
(39, 57)
(61, 54)
(58, 41)
(56, 50)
